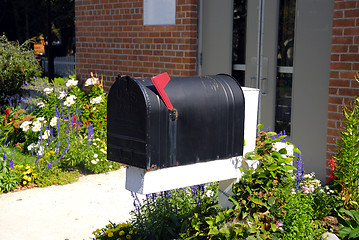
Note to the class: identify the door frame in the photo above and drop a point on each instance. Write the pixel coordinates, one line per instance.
(310, 82)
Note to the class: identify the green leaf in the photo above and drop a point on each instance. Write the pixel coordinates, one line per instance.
(251, 238)
(273, 227)
(220, 217)
(254, 157)
(271, 201)
(259, 126)
(281, 137)
(283, 151)
(273, 167)
(224, 230)
(344, 232)
(289, 167)
(354, 234)
(256, 201)
(288, 160)
(355, 215)
(213, 231)
(296, 150)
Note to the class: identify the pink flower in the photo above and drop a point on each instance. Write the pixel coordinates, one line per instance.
(279, 225)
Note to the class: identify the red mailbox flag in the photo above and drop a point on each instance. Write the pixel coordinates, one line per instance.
(160, 82)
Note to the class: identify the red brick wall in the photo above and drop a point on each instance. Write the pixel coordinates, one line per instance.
(344, 63)
(111, 40)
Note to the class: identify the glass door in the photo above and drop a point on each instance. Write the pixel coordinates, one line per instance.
(262, 56)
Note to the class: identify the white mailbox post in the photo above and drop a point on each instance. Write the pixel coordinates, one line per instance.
(225, 171)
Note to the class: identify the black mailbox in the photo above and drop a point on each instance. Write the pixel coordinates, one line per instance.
(207, 122)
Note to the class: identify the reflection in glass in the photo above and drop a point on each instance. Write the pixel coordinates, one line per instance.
(239, 31)
(286, 33)
(285, 59)
(239, 76)
(283, 103)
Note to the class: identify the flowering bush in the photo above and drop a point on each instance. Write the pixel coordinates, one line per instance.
(345, 164)
(115, 231)
(8, 179)
(65, 131)
(11, 124)
(26, 173)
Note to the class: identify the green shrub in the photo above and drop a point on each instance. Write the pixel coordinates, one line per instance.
(8, 179)
(56, 176)
(165, 215)
(346, 162)
(298, 220)
(349, 222)
(17, 65)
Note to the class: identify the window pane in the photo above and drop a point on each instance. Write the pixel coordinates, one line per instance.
(283, 103)
(286, 33)
(239, 31)
(285, 60)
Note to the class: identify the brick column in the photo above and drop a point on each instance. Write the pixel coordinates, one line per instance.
(344, 63)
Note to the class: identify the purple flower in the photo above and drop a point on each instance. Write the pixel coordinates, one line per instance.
(49, 165)
(89, 133)
(12, 161)
(41, 134)
(4, 158)
(65, 150)
(69, 115)
(57, 147)
(300, 170)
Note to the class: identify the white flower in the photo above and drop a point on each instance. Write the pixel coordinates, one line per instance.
(209, 193)
(53, 122)
(36, 126)
(94, 108)
(41, 119)
(48, 90)
(31, 146)
(46, 134)
(70, 100)
(40, 150)
(62, 95)
(91, 81)
(25, 125)
(96, 100)
(103, 150)
(71, 82)
(307, 176)
(94, 143)
(95, 155)
(41, 104)
(93, 161)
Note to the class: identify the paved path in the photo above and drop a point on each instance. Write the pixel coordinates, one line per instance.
(71, 211)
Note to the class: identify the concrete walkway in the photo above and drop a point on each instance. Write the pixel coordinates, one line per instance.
(71, 211)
